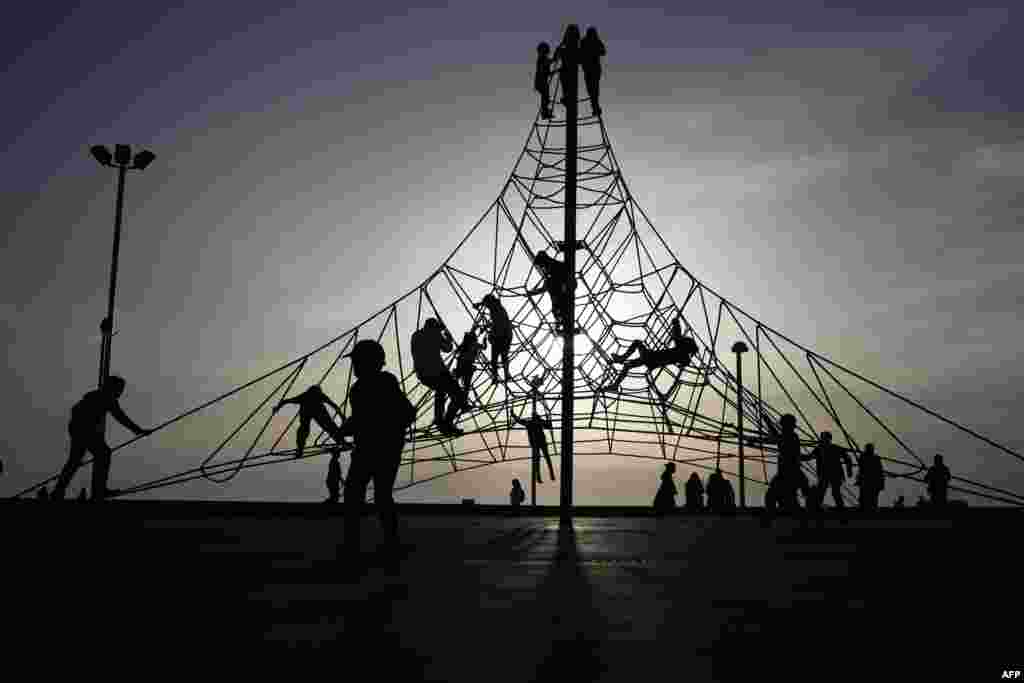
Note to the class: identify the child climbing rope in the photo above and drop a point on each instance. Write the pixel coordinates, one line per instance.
(312, 404)
(427, 345)
(499, 334)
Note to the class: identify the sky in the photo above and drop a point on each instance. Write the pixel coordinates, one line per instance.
(849, 173)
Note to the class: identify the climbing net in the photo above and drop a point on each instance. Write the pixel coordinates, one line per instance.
(630, 287)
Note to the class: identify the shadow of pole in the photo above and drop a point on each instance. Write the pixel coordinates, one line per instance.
(574, 630)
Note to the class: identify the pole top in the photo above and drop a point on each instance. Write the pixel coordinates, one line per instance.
(740, 347)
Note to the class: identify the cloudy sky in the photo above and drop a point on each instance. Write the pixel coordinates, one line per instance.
(848, 173)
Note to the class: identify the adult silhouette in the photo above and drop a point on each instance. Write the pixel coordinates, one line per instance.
(517, 495)
(591, 51)
(683, 349)
(312, 405)
(86, 431)
(381, 414)
(829, 460)
(694, 493)
(716, 491)
(499, 334)
(665, 498)
(937, 479)
(870, 478)
(427, 345)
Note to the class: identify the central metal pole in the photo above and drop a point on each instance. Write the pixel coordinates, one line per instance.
(569, 63)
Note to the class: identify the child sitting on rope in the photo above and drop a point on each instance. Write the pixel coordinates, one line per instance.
(312, 404)
(680, 353)
(499, 334)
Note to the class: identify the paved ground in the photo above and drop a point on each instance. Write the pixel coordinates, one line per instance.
(483, 596)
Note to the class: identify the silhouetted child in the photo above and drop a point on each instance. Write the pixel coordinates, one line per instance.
(427, 345)
(683, 349)
(937, 479)
(665, 498)
(541, 77)
(567, 55)
(312, 406)
(789, 479)
(466, 355)
(518, 495)
(499, 334)
(557, 285)
(694, 493)
(535, 427)
(591, 51)
(87, 434)
(870, 479)
(334, 476)
(829, 460)
(900, 503)
(381, 414)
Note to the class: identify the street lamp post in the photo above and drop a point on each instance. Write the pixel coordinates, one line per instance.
(739, 348)
(122, 159)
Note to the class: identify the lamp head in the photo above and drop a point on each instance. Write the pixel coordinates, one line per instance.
(101, 154)
(143, 159)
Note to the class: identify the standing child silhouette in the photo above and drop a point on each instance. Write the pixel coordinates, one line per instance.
(381, 414)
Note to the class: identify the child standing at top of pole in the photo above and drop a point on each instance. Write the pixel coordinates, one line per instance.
(540, 79)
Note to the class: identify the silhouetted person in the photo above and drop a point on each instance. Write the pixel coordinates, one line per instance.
(557, 285)
(665, 498)
(591, 51)
(568, 53)
(716, 491)
(82, 495)
(465, 362)
(499, 334)
(900, 503)
(870, 478)
(334, 476)
(42, 493)
(427, 345)
(517, 495)
(680, 353)
(312, 405)
(381, 414)
(541, 77)
(86, 430)
(937, 480)
(829, 460)
(694, 493)
(535, 427)
(789, 479)
(728, 498)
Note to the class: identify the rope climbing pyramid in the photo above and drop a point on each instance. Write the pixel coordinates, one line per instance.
(656, 356)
